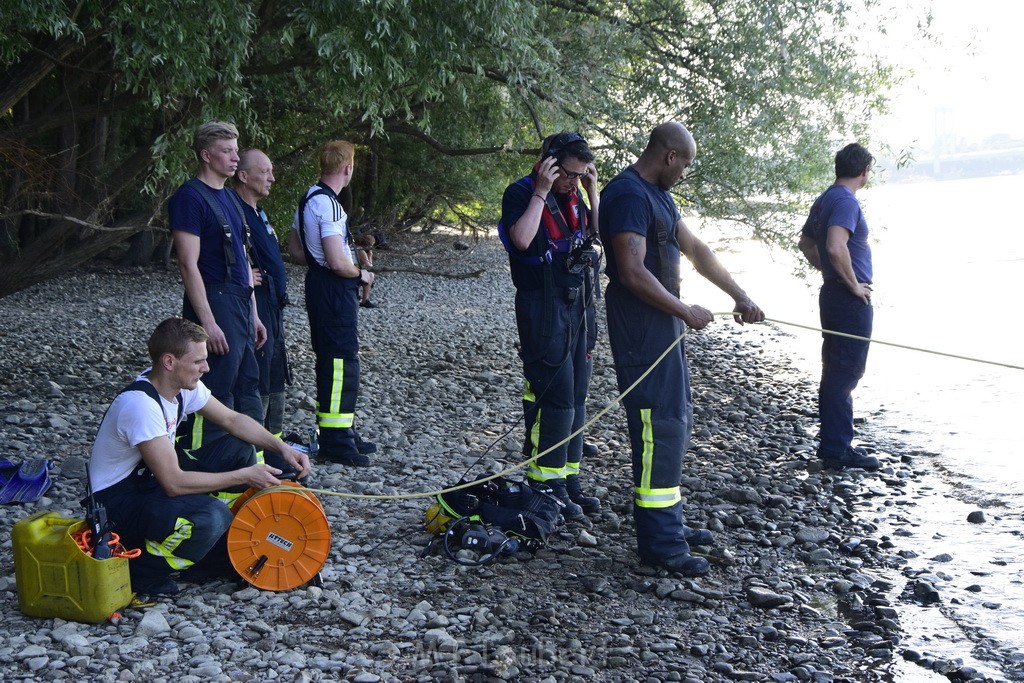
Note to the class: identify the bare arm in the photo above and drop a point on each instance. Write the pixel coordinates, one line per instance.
(159, 455)
(707, 264)
(525, 229)
(809, 246)
(259, 330)
(629, 250)
(187, 246)
(839, 256)
(339, 262)
(250, 431)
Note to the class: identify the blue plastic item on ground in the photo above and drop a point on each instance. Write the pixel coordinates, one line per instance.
(26, 483)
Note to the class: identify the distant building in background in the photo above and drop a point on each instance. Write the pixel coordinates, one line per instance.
(950, 157)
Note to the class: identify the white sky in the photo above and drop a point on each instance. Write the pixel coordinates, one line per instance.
(974, 72)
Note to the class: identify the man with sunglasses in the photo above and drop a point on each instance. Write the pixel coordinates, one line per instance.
(544, 226)
(644, 237)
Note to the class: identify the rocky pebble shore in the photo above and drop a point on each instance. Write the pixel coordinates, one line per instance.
(802, 586)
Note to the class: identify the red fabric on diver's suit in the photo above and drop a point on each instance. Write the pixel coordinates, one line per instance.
(572, 220)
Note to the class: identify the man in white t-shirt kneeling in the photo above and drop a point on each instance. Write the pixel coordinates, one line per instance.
(153, 502)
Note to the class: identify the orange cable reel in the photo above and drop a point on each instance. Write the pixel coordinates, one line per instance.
(280, 537)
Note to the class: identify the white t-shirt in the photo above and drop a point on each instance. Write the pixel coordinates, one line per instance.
(323, 217)
(134, 417)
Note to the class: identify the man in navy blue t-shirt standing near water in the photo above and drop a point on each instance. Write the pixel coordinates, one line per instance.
(835, 241)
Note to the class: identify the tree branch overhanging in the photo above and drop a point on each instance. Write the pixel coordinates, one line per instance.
(72, 219)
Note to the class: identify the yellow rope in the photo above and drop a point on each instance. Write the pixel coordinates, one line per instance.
(603, 411)
(900, 346)
(513, 468)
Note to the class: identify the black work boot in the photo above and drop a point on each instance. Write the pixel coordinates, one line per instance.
(589, 504)
(850, 458)
(570, 510)
(685, 564)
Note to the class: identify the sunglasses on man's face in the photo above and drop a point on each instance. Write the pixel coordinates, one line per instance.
(573, 176)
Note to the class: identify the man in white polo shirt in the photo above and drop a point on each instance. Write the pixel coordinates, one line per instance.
(135, 474)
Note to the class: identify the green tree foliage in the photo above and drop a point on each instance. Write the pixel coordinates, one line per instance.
(447, 102)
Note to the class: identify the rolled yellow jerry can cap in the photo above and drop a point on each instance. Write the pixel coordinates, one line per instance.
(280, 538)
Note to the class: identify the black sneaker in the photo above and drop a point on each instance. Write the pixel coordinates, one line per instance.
(570, 511)
(589, 504)
(368, 304)
(157, 587)
(364, 447)
(698, 536)
(684, 564)
(851, 458)
(351, 459)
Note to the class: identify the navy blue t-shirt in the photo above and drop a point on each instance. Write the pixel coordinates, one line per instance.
(188, 211)
(266, 249)
(839, 206)
(631, 204)
(531, 277)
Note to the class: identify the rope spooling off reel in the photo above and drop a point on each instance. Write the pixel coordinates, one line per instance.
(280, 537)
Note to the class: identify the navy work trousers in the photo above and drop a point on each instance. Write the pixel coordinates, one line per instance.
(557, 367)
(659, 416)
(174, 532)
(332, 303)
(233, 378)
(843, 361)
(272, 359)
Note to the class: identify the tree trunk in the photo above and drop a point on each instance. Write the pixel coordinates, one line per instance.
(21, 273)
(140, 249)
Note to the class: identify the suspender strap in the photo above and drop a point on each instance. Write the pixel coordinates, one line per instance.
(667, 275)
(321, 189)
(549, 297)
(206, 193)
(148, 389)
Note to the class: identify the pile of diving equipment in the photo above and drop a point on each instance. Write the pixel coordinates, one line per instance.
(483, 520)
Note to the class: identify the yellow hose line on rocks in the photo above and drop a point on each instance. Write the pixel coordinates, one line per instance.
(601, 413)
(513, 468)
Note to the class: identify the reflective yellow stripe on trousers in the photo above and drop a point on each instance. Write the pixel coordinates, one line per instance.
(260, 460)
(195, 435)
(332, 418)
(645, 496)
(535, 471)
(165, 549)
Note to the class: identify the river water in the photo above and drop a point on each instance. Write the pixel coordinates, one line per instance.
(949, 268)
